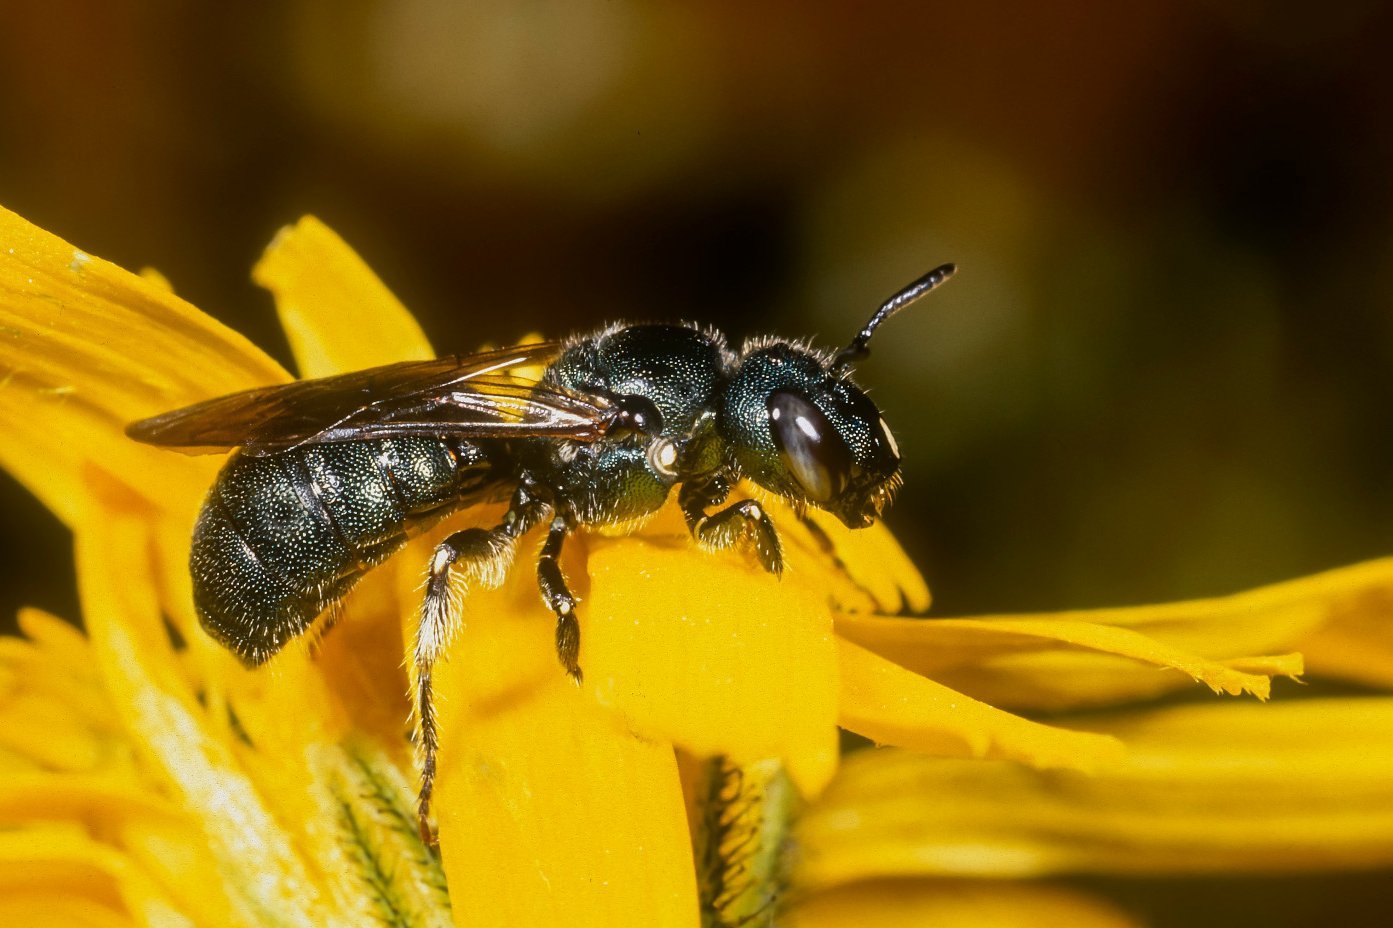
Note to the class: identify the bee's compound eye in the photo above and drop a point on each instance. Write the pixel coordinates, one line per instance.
(809, 446)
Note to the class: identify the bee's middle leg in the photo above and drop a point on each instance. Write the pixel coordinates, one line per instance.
(559, 598)
(484, 555)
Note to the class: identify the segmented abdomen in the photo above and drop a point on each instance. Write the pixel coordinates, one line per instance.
(282, 537)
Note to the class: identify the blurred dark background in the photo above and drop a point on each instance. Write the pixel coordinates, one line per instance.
(1162, 371)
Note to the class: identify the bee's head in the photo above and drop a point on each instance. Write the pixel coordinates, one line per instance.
(799, 427)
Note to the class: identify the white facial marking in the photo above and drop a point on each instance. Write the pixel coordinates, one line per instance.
(890, 440)
(806, 426)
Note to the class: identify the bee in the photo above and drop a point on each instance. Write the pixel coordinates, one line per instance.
(331, 476)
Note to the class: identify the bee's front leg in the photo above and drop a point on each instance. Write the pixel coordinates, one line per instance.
(745, 519)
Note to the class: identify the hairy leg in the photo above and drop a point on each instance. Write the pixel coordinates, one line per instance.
(745, 520)
(482, 557)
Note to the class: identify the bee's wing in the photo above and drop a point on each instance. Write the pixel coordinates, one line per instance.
(484, 395)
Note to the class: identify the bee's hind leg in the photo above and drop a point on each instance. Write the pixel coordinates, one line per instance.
(484, 555)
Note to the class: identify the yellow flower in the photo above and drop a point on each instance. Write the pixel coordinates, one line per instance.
(146, 777)
(1205, 789)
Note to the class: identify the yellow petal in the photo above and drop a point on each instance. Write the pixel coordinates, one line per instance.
(1337, 617)
(1236, 787)
(710, 652)
(870, 557)
(68, 865)
(550, 810)
(88, 347)
(327, 772)
(954, 904)
(41, 796)
(40, 910)
(54, 714)
(989, 655)
(891, 705)
(47, 732)
(152, 835)
(336, 313)
(359, 664)
(1355, 640)
(55, 664)
(168, 727)
(153, 277)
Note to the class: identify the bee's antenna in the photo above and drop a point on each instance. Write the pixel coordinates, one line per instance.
(859, 345)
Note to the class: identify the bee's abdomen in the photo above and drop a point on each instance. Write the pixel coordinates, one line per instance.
(282, 537)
